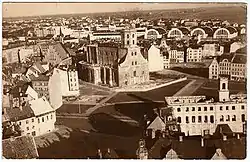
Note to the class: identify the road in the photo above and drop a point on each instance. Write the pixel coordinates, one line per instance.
(190, 88)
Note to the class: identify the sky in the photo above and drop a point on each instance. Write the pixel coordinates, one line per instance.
(36, 9)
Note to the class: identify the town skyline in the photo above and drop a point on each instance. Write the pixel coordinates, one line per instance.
(27, 9)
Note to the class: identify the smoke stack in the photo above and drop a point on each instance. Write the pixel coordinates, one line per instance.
(180, 138)
(202, 142)
(224, 137)
(238, 136)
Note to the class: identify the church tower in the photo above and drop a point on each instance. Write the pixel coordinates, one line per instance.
(223, 89)
(129, 37)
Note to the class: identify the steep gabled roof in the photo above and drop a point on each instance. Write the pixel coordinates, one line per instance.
(157, 124)
(40, 106)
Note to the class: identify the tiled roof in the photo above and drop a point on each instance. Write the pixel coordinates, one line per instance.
(39, 67)
(240, 59)
(157, 124)
(21, 88)
(61, 50)
(22, 147)
(16, 114)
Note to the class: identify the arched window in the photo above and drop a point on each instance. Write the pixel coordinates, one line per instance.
(223, 85)
(127, 35)
(205, 119)
(212, 119)
(243, 118)
(179, 119)
(221, 118)
(228, 118)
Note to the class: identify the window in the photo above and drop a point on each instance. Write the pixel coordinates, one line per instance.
(234, 118)
(33, 133)
(133, 41)
(127, 35)
(227, 107)
(28, 128)
(223, 85)
(205, 119)
(132, 53)
(199, 119)
(132, 62)
(193, 119)
(193, 108)
(228, 118)
(135, 62)
(211, 108)
(127, 42)
(38, 120)
(221, 118)
(179, 109)
(133, 35)
(32, 120)
(233, 107)
(47, 117)
(134, 73)
(20, 123)
(187, 109)
(199, 108)
(212, 119)
(42, 119)
(243, 118)
(51, 116)
(242, 107)
(135, 53)
(187, 119)
(205, 108)
(221, 108)
(27, 121)
(33, 127)
(179, 119)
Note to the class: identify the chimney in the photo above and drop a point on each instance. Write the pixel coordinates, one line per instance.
(180, 138)
(99, 153)
(202, 142)
(224, 137)
(238, 136)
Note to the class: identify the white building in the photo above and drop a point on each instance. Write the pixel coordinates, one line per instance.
(212, 50)
(198, 116)
(35, 117)
(155, 59)
(68, 78)
(213, 70)
(194, 54)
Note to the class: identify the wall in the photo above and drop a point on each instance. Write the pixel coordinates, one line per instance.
(140, 67)
(155, 60)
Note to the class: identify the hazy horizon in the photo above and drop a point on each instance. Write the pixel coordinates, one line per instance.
(40, 9)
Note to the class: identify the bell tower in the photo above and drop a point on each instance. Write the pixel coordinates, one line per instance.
(129, 37)
(223, 89)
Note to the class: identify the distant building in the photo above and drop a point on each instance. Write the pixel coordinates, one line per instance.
(214, 70)
(212, 49)
(155, 59)
(194, 54)
(67, 78)
(40, 85)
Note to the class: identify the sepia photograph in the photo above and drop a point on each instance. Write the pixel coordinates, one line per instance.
(124, 80)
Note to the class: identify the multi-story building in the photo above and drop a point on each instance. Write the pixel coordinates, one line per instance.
(40, 85)
(43, 32)
(56, 53)
(177, 55)
(194, 54)
(34, 117)
(212, 49)
(197, 115)
(239, 66)
(115, 65)
(213, 70)
(67, 79)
